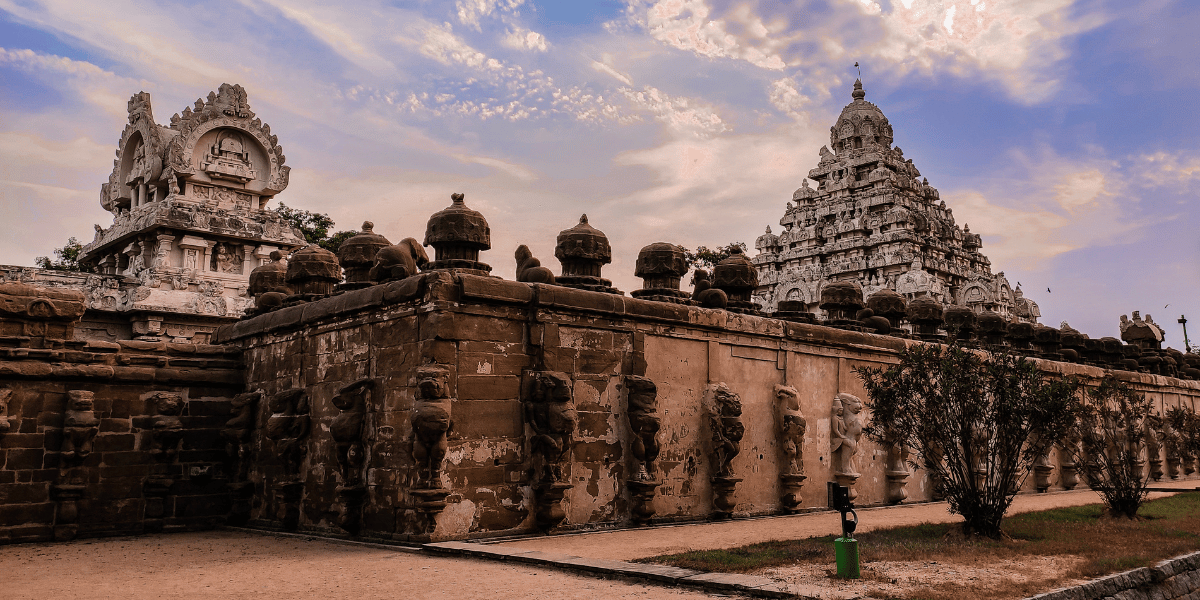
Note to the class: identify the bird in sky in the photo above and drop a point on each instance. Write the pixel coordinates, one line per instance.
(1047, 290)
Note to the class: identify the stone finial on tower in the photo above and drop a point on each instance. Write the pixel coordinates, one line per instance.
(583, 250)
(661, 266)
(357, 255)
(457, 235)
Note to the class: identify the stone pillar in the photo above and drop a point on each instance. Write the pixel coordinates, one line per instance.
(723, 409)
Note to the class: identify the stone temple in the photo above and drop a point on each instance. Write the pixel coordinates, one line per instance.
(200, 379)
(872, 219)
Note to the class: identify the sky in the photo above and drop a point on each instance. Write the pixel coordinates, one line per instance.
(1059, 130)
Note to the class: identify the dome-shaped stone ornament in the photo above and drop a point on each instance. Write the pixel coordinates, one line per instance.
(457, 235)
(841, 301)
(583, 251)
(1129, 358)
(357, 256)
(795, 311)
(1019, 336)
(992, 327)
(888, 304)
(1071, 344)
(661, 266)
(925, 313)
(268, 285)
(737, 277)
(312, 273)
(1048, 341)
(1111, 348)
(959, 322)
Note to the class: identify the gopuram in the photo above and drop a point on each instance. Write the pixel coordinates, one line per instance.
(394, 393)
(189, 223)
(872, 219)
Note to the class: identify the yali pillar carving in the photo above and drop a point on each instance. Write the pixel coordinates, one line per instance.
(846, 431)
(792, 426)
(239, 436)
(1153, 425)
(644, 423)
(347, 432)
(431, 423)
(80, 426)
(724, 412)
(288, 428)
(5, 397)
(166, 435)
(550, 414)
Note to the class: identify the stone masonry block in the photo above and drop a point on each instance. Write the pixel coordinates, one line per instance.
(489, 387)
(488, 419)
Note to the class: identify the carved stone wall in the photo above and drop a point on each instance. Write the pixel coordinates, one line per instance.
(489, 335)
(106, 438)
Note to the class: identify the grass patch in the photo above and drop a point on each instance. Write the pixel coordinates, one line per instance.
(1166, 527)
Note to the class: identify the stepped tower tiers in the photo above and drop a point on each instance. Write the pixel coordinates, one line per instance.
(189, 221)
(872, 218)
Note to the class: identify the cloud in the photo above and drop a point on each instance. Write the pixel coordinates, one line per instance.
(470, 12)
(1163, 168)
(1045, 205)
(98, 87)
(519, 38)
(785, 95)
(686, 25)
(609, 70)
(682, 115)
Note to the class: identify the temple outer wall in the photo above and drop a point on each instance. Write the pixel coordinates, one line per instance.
(125, 380)
(489, 334)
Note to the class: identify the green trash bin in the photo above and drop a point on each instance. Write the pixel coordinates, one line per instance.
(846, 551)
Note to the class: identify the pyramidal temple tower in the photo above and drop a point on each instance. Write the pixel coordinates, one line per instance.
(190, 219)
(872, 218)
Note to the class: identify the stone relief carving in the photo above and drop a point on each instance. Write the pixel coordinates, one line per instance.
(5, 398)
(80, 426)
(846, 430)
(240, 447)
(431, 421)
(166, 431)
(723, 410)
(644, 423)
(288, 428)
(792, 427)
(550, 415)
(347, 432)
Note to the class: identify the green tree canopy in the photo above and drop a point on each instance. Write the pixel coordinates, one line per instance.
(66, 258)
(704, 257)
(314, 226)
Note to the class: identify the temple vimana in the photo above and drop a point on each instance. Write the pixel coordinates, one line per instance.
(215, 369)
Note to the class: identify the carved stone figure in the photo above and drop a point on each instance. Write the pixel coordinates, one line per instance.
(644, 423)
(239, 436)
(846, 429)
(431, 421)
(1153, 425)
(704, 294)
(288, 428)
(723, 409)
(80, 426)
(792, 427)
(399, 261)
(550, 414)
(347, 434)
(167, 428)
(357, 255)
(530, 269)
(346, 429)
(5, 398)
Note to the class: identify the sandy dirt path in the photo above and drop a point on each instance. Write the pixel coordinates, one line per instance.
(226, 564)
(629, 544)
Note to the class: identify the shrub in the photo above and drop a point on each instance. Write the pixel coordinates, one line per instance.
(1112, 438)
(977, 421)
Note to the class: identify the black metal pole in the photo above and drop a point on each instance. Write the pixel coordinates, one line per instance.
(1187, 346)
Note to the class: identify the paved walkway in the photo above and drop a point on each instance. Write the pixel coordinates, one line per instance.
(606, 551)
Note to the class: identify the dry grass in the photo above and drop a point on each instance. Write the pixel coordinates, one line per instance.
(1099, 544)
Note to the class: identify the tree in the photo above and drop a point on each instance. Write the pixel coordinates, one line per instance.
(1112, 437)
(705, 258)
(67, 258)
(977, 421)
(314, 226)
